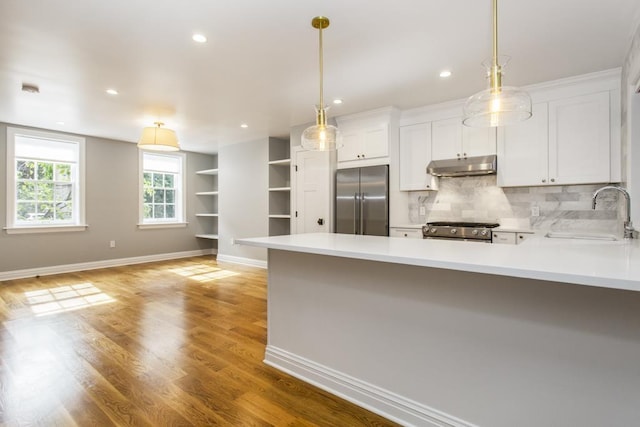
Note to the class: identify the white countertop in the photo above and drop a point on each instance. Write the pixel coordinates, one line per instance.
(608, 264)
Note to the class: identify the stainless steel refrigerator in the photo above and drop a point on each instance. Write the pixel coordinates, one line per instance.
(362, 200)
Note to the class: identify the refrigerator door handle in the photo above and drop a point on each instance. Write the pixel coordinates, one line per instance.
(355, 216)
(362, 198)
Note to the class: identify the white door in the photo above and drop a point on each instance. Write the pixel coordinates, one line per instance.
(446, 139)
(313, 192)
(478, 141)
(415, 155)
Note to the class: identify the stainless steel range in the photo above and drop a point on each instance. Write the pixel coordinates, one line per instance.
(469, 231)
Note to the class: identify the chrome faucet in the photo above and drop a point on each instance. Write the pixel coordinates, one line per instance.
(628, 227)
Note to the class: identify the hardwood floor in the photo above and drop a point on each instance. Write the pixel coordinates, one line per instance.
(174, 343)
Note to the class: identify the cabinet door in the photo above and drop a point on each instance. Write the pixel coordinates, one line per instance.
(446, 139)
(579, 139)
(376, 143)
(415, 155)
(523, 151)
(478, 141)
(352, 146)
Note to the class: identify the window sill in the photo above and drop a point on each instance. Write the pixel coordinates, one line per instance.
(148, 226)
(45, 229)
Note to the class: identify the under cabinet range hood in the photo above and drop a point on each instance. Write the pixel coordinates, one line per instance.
(467, 166)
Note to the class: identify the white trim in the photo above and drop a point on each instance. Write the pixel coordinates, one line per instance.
(383, 402)
(68, 268)
(151, 225)
(46, 229)
(240, 260)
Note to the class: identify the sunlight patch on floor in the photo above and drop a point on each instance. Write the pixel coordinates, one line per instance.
(203, 273)
(66, 298)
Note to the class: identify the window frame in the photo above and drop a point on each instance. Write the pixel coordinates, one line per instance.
(11, 226)
(180, 197)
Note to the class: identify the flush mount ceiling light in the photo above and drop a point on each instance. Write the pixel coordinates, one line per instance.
(321, 137)
(199, 38)
(445, 74)
(158, 139)
(498, 105)
(111, 91)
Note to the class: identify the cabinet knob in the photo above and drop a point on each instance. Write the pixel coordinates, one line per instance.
(458, 154)
(405, 235)
(363, 156)
(320, 221)
(464, 154)
(358, 155)
(553, 180)
(544, 180)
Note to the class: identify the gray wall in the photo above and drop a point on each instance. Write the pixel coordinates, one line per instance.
(111, 212)
(244, 197)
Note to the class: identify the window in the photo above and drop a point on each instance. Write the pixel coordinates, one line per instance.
(161, 190)
(45, 181)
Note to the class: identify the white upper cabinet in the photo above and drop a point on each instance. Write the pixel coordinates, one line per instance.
(453, 140)
(366, 136)
(567, 141)
(415, 155)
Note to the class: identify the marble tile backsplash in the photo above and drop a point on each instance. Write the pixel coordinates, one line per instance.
(561, 208)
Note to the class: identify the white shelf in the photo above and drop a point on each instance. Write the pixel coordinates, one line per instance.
(282, 162)
(207, 214)
(207, 236)
(207, 193)
(283, 216)
(280, 189)
(207, 172)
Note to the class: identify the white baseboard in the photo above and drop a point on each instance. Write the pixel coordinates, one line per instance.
(92, 265)
(240, 260)
(383, 402)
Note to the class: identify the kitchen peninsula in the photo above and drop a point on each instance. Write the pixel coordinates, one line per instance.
(439, 333)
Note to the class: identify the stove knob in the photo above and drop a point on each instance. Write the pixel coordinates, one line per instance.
(432, 230)
(474, 232)
(484, 233)
(454, 230)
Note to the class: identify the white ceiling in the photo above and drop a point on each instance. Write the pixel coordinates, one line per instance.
(260, 64)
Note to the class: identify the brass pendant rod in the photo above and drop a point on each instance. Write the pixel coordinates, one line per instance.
(321, 106)
(496, 72)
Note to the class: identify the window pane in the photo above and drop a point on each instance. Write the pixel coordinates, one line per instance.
(45, 171)
(63, 172)
(148, 179)
(158, 211)
(45, 211)
(26, 191)
(157, 180)
(25, 169)
(170, 211)
(64, 211)
(148, 211)
(170, 196)
(158, 196)
(63, 192)
(45, 192)
(148, 195)
(168, 180)
(26, 211)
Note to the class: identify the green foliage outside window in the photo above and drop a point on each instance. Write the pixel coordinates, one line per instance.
(159, 195)
(44, 191)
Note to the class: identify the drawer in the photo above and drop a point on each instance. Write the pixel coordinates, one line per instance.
(504, 237)
(408, 233)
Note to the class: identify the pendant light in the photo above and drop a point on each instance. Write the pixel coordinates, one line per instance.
(158, 139)
(498, 105)
(321, 137)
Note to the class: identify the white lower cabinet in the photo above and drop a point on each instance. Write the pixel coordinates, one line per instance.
(566, 141)
(409, 233)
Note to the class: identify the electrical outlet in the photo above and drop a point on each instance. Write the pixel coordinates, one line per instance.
(535, 210)
(423, 210)
(112, 244)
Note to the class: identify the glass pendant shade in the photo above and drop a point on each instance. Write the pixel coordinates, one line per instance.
(498, 105)
(503, 106)
(321, 137)
(158, 139)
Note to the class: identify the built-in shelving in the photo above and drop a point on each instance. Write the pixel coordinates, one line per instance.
(279, 187)
(208, 209)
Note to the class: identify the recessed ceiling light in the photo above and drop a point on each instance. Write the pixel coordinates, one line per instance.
(445, 73)
(199, 38)
(244, 126)
(112, 91)
(60, 123)
(337, 101)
